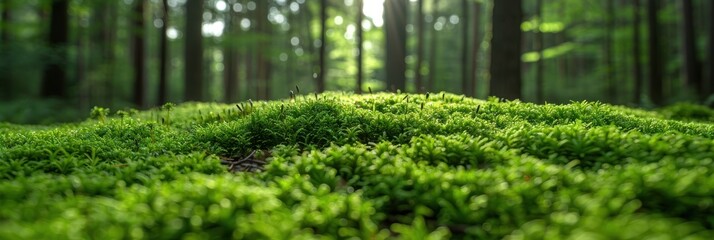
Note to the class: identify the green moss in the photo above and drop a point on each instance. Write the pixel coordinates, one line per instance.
(362, 166)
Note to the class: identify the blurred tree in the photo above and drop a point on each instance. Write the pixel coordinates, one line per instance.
(193, 58)
(163, 53)
(54, 80)
(360, 46)
(539, 49)
(230, 58)
(395, 23)
(611, 91)
(6, 77)
(466, 84)
(323, 42)
(691, 69)
(506, 49)
(476, 44)
(636, 45)
(710, 89)
(264, 29)
(139, 28)
(655, 66)
(5, 20)
(432, 46)
(418, 76)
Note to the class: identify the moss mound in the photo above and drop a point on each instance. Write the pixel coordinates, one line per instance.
(376, 166)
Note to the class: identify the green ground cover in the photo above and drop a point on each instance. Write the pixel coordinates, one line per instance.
(373, 166)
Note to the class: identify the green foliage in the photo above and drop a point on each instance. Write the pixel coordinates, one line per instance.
(373, 166)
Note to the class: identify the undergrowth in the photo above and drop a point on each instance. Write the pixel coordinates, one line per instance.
(373, 166)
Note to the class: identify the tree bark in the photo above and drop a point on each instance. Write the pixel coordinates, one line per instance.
(139, 56)
(163, 54)
(418, 77)
(466, 83)
(692, 72)
(54, 80)
(637, 62)
(193, 88)
(360, 47)
(506, 49)
(395, 22)
(655, 67)
(323, 42)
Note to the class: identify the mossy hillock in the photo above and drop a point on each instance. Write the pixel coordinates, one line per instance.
(374, 166)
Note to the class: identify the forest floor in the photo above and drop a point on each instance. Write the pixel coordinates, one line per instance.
(372, 166)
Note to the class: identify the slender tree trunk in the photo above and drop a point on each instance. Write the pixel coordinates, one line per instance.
(609, 39)
(139, 56)
(539, 48)
(691, 62)
(108, 54)
(6, 78)
(506, 49)
(54, 81)
(710, 87)
(395, 22)
(432, 47)
(418, 80)
(264, 64)
(655, 66)
(476, 45)
(360, 47)
(466, 86)
(6, 21)
(230, 72)
(163, 54)
(193, 88)
(81, 64)
(323, 43)
(636, 53)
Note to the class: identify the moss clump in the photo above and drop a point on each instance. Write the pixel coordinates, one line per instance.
(370, 166)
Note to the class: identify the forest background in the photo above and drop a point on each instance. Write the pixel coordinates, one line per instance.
(59, 58)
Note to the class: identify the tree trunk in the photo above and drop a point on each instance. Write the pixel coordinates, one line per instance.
(506, 49)
(710, 87)
(466, 86)
(193, 88)
(139, 56)
(5, 27)
(609, 65)
(637, 62)
(81, 64)
(323, 42)
(264, 64)
(230, 58)
(692, 76)
(163, 54)
(655, 66)
(360, 47)
(476, 45)
(418, 77)
(539, 48)
(6, 77)
(395, 22)
(54, 80)
(432, 48)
